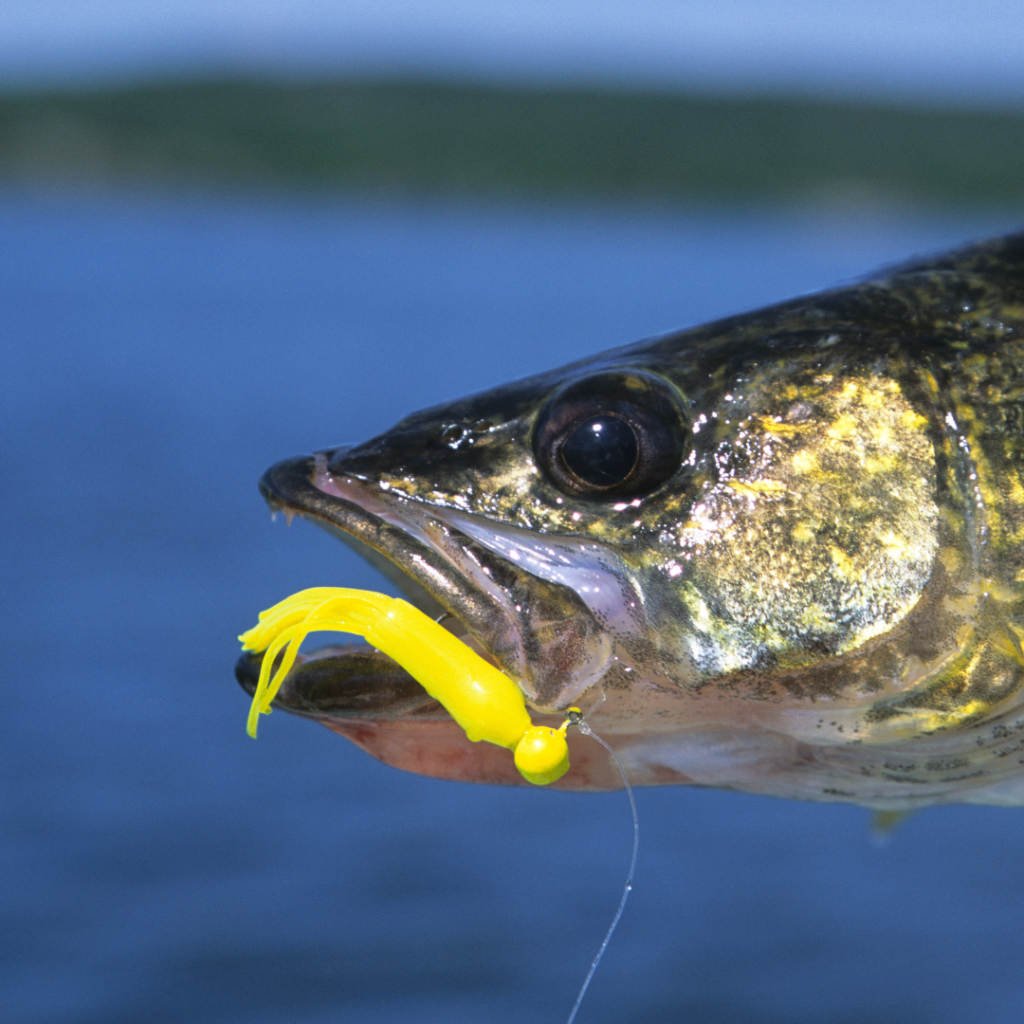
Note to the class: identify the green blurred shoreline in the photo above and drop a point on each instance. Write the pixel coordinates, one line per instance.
(430, 138)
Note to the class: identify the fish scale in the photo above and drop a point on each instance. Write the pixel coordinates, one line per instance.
(807, 582)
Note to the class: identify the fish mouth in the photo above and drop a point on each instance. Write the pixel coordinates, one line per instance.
(510, 595)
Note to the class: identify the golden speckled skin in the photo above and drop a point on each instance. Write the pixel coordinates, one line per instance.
(825, 601)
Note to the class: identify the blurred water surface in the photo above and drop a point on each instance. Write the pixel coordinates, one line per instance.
(158, 866)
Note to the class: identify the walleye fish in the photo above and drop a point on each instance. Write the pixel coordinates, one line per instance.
(785, 548)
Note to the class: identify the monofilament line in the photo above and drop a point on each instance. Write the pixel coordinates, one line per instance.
(581, 723)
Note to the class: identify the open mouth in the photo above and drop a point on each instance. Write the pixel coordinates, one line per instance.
(353, 681)
(509, 596)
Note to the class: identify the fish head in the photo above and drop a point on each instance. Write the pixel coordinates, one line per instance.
(758, 548)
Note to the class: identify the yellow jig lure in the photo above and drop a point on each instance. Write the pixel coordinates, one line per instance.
(482, 699)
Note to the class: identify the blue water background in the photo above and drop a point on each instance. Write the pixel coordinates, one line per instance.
(159, 867)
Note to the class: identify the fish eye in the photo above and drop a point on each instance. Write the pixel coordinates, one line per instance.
(601, 451)
(612, 434)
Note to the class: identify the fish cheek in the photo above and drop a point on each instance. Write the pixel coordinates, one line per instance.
(823, 537)
(558, 649)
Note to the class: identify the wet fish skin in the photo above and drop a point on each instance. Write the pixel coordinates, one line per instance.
(823, 600)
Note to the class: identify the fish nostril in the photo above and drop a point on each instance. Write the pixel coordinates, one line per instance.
(454, 435)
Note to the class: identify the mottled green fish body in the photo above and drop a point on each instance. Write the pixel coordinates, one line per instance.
(787, 547)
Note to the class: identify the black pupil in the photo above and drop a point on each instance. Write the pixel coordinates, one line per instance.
(601, 451)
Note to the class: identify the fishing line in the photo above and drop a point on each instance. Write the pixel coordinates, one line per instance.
(576, 718)
(486, 703)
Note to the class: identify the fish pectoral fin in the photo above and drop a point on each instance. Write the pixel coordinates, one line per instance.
(884, 823)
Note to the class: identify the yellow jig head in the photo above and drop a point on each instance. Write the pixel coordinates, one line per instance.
(481, 698)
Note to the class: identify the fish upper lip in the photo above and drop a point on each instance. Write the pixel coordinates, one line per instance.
(443, 556)
(289, 486)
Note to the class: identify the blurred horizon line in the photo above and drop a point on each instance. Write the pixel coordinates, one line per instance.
(406, 137)
(171, 71)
